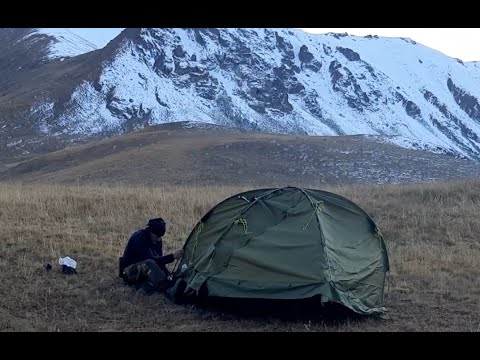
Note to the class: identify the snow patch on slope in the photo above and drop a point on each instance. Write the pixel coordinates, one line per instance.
(64, 42)
(42, 111)
(91, 113)
(99, 37)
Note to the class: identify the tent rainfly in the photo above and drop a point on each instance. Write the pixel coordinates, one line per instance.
(287, 243)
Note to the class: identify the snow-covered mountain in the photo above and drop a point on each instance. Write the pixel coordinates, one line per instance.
(277, 80)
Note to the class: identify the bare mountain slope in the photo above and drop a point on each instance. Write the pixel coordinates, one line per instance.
(195, 153)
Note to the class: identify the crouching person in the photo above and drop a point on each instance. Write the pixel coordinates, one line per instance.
(143, 264)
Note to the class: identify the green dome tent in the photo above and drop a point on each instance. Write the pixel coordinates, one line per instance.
(287, 243)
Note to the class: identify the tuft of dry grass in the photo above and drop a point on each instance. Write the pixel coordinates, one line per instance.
(431, 232)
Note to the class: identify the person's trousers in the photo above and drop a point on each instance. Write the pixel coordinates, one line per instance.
(146, 275)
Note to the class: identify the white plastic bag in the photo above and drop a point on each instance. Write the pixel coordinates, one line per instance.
(67, 261)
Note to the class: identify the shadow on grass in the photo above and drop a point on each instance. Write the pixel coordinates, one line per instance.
(311, 309)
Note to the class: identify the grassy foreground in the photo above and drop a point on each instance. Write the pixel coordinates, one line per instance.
(431, 231)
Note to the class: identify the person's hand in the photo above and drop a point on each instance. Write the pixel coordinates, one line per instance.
(178, 254)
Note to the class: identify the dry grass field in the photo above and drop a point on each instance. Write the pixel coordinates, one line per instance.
(431, 231)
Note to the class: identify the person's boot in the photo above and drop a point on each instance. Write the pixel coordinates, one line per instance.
(175, 292)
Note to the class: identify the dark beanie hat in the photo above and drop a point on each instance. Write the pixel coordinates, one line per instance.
(157, 226)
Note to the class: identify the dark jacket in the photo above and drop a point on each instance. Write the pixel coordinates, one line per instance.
(140, 248)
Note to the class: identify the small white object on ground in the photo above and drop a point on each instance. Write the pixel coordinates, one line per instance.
(67, 261)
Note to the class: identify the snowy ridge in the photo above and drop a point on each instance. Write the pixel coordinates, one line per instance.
(65, 42)
(69, 42)
(99, 37)
(282, 80)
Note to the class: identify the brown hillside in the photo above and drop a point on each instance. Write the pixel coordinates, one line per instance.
(180, 153)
